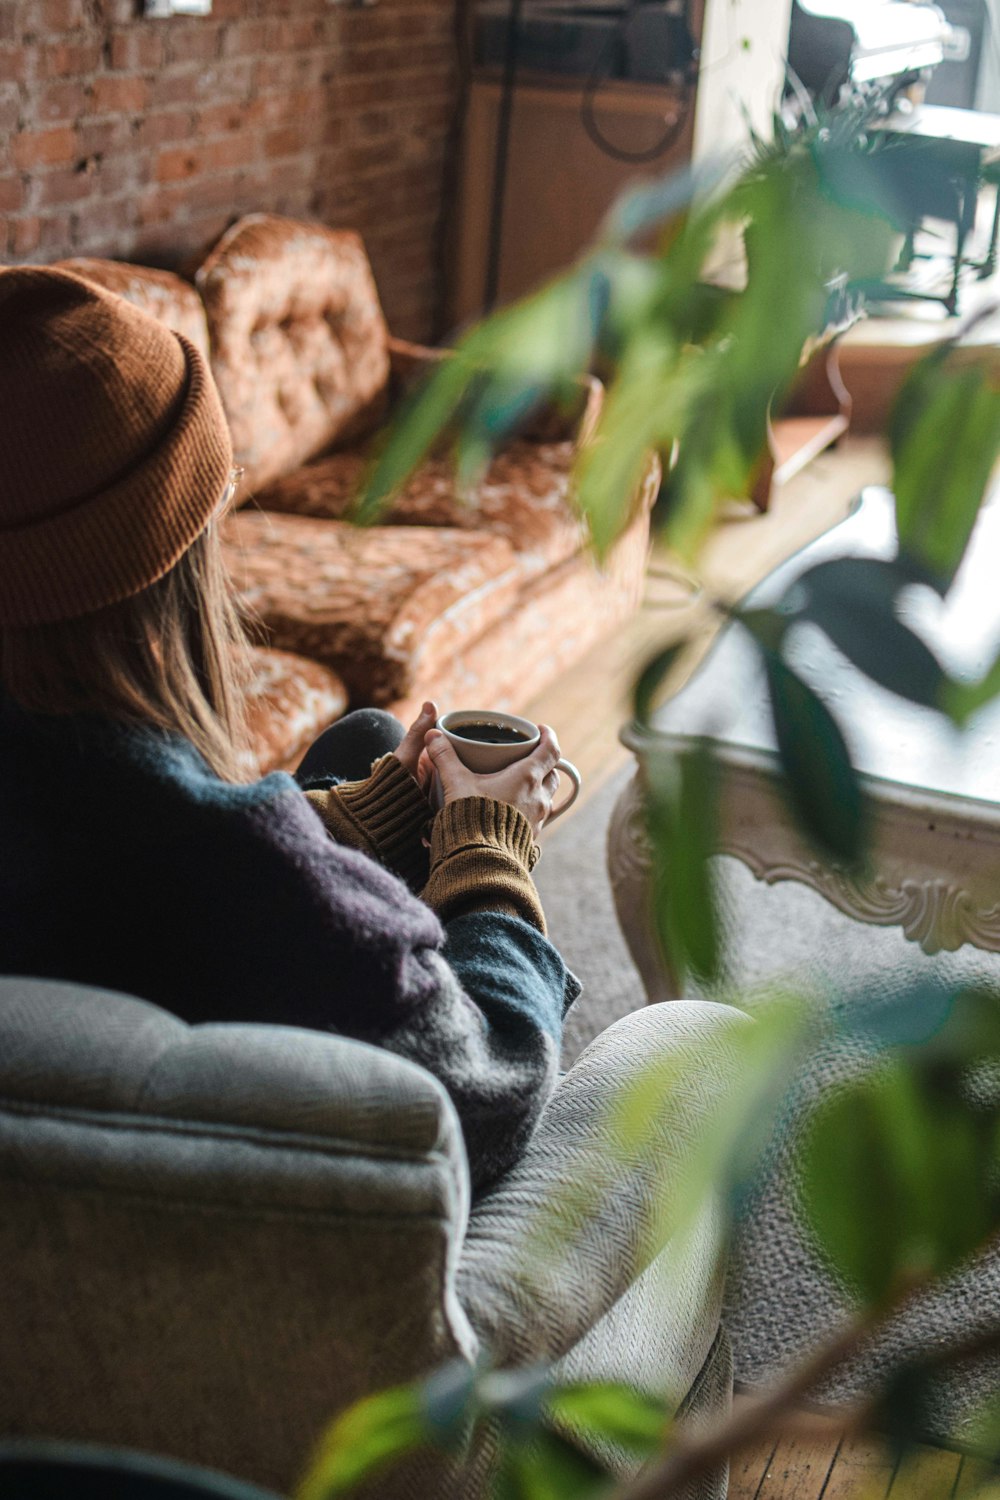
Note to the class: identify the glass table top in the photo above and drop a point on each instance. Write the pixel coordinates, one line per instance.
(889, 738)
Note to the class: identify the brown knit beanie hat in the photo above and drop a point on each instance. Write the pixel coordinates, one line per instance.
(114, 450)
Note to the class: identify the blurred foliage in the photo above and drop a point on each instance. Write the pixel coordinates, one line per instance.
(900, 1185)
(695, 369)
(901, 1167)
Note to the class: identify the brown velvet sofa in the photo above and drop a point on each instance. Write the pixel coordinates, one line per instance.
(474, 600)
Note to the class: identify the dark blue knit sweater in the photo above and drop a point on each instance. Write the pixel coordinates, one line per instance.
(126, 863)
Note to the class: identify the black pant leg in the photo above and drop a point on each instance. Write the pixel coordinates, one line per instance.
(347, 749)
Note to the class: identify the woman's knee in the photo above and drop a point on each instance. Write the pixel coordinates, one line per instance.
(348, 748)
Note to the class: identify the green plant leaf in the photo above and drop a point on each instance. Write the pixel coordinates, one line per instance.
(822, 786)
(549, 1468)
(648, 204)
(618, 1413)
(424, 415)
(894, 1181)
(644, 407)
(515, 1396)
(447, 1400)
(364, 1439)
(939, 484)
(853, 599)
(682, 812)
(962, 699)
(650, 678)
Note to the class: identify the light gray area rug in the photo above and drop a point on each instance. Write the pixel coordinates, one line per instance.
(781, 1299)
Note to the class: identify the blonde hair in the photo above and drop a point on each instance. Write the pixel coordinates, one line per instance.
(174, 656)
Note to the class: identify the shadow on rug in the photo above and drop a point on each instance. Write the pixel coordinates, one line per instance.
(781, 1298)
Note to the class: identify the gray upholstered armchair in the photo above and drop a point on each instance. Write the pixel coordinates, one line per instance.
(215, 1237)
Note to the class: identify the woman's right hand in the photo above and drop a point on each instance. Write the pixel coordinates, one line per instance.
(529, 784)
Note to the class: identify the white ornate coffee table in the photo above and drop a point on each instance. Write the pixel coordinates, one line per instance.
(935, 791)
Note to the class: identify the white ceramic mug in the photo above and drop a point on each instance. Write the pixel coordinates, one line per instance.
(488, 755)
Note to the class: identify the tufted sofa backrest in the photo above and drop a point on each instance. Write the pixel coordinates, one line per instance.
(214, 1237)
(299, 343)
(161, 293)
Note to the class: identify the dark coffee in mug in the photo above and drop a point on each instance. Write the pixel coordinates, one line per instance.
(491, 734)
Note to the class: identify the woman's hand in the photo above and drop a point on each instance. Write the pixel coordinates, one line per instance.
(411, 747)
(528, 784)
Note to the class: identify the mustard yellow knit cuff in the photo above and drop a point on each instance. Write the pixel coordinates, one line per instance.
(386, 815)
(482, 853)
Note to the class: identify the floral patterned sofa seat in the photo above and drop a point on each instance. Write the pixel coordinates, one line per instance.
(289, 699)
(482, 598)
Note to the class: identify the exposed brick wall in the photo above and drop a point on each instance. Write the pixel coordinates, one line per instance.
(143, 140)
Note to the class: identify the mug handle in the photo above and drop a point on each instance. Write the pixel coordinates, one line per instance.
(568, 769)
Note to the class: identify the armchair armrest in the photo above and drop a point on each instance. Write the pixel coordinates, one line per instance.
(534, 1285)
(550, 424)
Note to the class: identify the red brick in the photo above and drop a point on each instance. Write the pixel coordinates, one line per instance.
(374, 122)
(288, 141)
(45, 18)
(119, 94)
(244, 38)
(11, 194)
(52, 102)
(202, 231)
(99, 137)
(54, 233)
(66, 60)
(120, 174)
(99, 227)
(14, 64)
(221, 191)
(292, 36)
(224, 81)
(192, 161)
(121, 13)
(291, 71)
(51, 189)
(165, 128)
(158, 205)
(372, 155)
(10, 107)
(193, 41)
(221, 119)
(44, 148)
(140, 47)
(8, 21)
(24, 236)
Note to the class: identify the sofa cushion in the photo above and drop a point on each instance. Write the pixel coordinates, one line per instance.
(523, 497)
(171, 300)
(381, 605)
(289, 700)
(299, 343)
(556, 621)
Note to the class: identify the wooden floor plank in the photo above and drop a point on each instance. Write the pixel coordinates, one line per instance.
(972, 1476)
(862, 1469)
(748, 1468)
(799, 1468)
(926, 1474)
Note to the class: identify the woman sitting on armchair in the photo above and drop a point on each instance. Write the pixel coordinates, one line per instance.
(135, 855)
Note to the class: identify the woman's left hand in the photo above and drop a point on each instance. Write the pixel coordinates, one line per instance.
(410, 748)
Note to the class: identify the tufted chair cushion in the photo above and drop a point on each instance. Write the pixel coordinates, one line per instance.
(523, 497)
(299, 343)
(289, 701)
(381, 605)
(171, 300)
